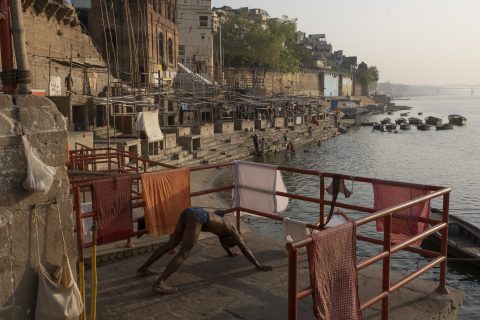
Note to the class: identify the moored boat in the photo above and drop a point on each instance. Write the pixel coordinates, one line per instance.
(445, 126)
(405, 126)
(385, 121)
(401, 120)
(390, 126)
(368, 124)
(457, 119)
(413, 120)
(463, 239)
(433, 121)
(404, 114)
(379, 127)
(423, 126)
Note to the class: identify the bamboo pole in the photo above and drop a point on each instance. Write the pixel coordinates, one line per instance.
(18, 33)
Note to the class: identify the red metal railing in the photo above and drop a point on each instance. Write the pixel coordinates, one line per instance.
(83, 186)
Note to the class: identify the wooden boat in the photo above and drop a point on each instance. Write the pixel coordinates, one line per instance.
(405, 126)
(445, 126)
(401, 120)
(463, 239)
(423, 127)
(368, 124)
(457, 119)
(413, 120)
(433, 121)
(385, 121)
(390, 126)
(420, 113)
(404, 114)
(379, 127)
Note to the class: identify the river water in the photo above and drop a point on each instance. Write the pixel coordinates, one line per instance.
(447, 158)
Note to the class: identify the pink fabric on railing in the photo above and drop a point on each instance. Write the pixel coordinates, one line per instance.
(333, 273)
(112, 200)
(405, 223)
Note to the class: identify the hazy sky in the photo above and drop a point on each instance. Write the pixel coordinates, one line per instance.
(410, 41)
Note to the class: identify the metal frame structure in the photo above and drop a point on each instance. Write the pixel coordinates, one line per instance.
(81, 159)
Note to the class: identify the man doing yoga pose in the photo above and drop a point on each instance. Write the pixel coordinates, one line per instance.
(186, 233)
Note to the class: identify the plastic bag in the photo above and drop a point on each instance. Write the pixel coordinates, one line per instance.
(39, 175)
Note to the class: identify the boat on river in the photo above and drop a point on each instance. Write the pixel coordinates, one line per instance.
(368, 124)
(423, 127)
(405, 126)
(413, 120)
(386, 120)
(401, 120)
(457, 119)
(463, 238)
(390, 126)
(379, 127)
(445, 126)
(404, 114)
(433, 121)
(420, 113)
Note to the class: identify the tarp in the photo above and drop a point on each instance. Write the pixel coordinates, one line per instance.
(148, 123)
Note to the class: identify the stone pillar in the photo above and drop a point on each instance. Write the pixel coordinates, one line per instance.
(45, 128)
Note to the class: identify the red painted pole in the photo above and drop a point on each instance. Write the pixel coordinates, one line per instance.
(6, 45)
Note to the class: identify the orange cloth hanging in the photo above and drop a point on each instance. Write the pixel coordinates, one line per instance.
(166, 194)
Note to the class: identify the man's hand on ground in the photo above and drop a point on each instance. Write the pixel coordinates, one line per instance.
(264, 268)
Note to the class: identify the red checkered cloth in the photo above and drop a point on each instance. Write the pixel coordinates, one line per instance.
(333, 273)
(112, 201)
(405, 223)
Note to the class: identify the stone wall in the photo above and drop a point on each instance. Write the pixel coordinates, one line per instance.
(48, 37)
(45, 128)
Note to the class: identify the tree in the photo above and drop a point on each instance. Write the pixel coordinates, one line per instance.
(247, 44)
(366, 75)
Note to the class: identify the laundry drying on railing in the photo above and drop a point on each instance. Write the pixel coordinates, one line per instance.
(256, 185)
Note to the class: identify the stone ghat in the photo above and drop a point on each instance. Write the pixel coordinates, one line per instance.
(239, 145)
(214, 286)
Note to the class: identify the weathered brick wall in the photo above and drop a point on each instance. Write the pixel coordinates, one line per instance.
(45, 128)
(48, 37)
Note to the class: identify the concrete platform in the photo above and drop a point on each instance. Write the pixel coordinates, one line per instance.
(214, 286)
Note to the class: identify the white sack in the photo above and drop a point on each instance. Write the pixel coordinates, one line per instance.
(39, 175)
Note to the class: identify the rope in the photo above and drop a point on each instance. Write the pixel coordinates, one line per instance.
(35, 218)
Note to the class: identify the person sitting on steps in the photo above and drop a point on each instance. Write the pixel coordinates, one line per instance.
(186, 233)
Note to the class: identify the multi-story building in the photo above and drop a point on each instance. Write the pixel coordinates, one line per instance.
(140, 40)
(255, 15)
(195, 25)
(319, 44)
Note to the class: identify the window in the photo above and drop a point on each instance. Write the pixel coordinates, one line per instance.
(181, 50)
(203, 36)
(170, 51)
(161, 50)
(203, 21)
(170, 106)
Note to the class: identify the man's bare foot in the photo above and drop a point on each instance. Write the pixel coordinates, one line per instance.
(163, 289)
(146, 272)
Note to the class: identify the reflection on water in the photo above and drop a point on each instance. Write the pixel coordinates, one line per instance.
(445, 158)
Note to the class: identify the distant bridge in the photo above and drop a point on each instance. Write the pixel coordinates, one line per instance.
(472, 88)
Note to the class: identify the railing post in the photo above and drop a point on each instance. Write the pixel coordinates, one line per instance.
(387, 243)
(442, 286)
(322, 199)
(78, 220)
(237, 212)
(292, 283)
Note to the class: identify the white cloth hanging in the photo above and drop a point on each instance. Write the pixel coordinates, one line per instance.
(256, 185)
(87, 223)
(294, 230)
(147, 122)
